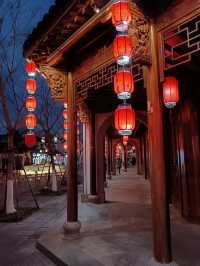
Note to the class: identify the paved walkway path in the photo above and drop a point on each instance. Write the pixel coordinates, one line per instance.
(116, 233)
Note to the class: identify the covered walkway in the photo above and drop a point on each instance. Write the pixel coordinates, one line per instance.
(116, 233)
(119, 231)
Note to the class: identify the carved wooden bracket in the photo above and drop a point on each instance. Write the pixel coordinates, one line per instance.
(83, 113)
(140, 31)
(57, 81)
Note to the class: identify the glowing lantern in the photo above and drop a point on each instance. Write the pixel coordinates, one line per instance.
(65, 104)
(30, 139)
(31, 86)
(65, 125)
(121, 14)
(31, 103)
(122, 47)
(65, 135)
(30, 121)
(78, 131)
(65, 114)
(125, 119)
(31, 68)
(170, 92)
(65, 146)
(123, 84)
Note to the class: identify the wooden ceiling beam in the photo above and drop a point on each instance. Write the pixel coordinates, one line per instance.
(77, 35)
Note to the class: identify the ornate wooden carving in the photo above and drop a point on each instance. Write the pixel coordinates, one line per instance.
(181, 42)
(83, 113)
(57, 81)
(100, 78)
(140, 31)
(179, 39)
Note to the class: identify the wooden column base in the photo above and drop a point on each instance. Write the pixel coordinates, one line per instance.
(153, 262)
(72, 227)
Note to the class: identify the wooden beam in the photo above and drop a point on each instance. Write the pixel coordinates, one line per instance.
(88, 26)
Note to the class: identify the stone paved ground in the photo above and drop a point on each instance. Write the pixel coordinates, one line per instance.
(122, 224)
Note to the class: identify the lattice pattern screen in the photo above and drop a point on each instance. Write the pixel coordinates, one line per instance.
(101, 78)
(181, 42)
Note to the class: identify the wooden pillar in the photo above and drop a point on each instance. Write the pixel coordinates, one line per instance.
(125, 158)
(72, 225)
(145, 157)
(111, 158)
(86, 159)
(93, 156)
(139, 156)
(160, 207)
(100, 168)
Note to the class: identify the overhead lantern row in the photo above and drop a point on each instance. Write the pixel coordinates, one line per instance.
(123, 47)
(30, 104)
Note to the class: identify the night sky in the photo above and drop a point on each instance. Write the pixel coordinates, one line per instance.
(30, 13)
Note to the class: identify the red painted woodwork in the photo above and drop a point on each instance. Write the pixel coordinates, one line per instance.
(121, 14)
(185, 171)
(65, 114)
(125, 119)
(31, 103)
(31, 69)
(31, 86)
(170, 92)
(30, 139)
(30, 121)
(65, 135)
(122, 48)
(66, 124)
(123, 84)
(125, 140)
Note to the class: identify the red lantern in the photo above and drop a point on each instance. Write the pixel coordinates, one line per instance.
(65, 104)
(78, 131)
(170, 92)
(65, 114)
(31, 68)
(31, 86)
(30, 121)
(122, 48)
(30, 139)
(123, 84)
(125, 119)
(65, 146)
(65, 125)
(65, 135)
(31, 103)
(121, 14)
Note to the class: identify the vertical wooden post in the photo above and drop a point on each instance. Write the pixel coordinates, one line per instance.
(72, 225)
(125, 158)
(93, 156)
(160, 207)
(109, 159)
(100, 167)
